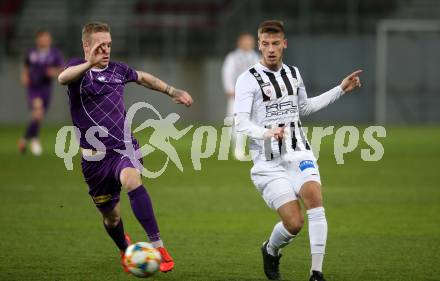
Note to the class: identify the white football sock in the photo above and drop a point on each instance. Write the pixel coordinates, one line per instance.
(36, 147)
(318, 236)
(157, 244)
(279, 238)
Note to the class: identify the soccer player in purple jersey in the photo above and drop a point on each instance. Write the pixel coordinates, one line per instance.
(42, 63)
(96, 88)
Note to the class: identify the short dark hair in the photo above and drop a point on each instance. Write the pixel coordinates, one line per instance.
(243, 34)
(94, 27)
(271, 26)
(41, 31)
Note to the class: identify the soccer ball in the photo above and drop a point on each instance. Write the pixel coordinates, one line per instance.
(142, 259)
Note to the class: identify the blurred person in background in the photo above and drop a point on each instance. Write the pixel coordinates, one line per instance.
(43, 62)
(236, 62)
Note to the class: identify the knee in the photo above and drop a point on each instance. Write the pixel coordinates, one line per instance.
(311, 195)
(38, 114)
(294, 225)
(112, 221)
(130, 179)
(37, 109)
(314, 203)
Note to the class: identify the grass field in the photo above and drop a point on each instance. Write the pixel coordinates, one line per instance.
(384, 221)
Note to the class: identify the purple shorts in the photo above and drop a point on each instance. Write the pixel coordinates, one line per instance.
(44, 94)
(103, 178)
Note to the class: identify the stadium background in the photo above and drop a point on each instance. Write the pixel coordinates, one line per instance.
(384, 222)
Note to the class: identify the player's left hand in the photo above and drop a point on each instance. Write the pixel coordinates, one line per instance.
(181, 97)
(351, 82)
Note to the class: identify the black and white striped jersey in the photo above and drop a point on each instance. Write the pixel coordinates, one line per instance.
(278, 98)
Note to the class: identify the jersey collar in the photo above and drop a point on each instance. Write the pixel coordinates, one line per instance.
(264, 68)
(99, 69)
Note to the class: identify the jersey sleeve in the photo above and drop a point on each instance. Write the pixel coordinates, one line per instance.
(310, 105)
(228, 74)
(130, 74)
(244, 125)
(244, 93)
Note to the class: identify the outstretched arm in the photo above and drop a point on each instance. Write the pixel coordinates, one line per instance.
(310, 105)
(72, 73)
(151, 82)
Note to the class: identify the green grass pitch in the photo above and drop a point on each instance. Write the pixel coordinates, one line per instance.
(384, 217)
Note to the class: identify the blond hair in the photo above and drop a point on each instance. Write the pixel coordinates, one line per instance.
(94, 27)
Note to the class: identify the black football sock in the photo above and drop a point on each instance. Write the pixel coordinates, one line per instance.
(118, 235)
(32, 130)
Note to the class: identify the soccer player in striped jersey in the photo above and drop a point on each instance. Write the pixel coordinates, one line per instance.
(237, 61)
(96, 97)
(269, 99)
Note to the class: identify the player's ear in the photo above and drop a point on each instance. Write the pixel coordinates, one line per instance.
(259, 48)
(85, 45)
(285, 43)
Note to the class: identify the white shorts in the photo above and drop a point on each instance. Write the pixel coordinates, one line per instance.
(279, 181)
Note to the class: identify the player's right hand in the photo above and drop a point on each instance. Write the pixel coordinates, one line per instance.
(181, 97)
(96, 54)
(277, 133)
(351, 82)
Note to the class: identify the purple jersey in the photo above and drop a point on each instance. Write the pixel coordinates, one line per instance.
(38, 63)
(97, 99)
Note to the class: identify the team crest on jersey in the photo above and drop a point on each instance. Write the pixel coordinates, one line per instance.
(267, 89)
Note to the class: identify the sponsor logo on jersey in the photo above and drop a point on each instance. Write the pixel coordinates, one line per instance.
(305, 164)
(101, 78)
(280, 109)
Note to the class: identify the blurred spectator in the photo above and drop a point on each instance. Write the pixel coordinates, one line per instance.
(237, 62)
